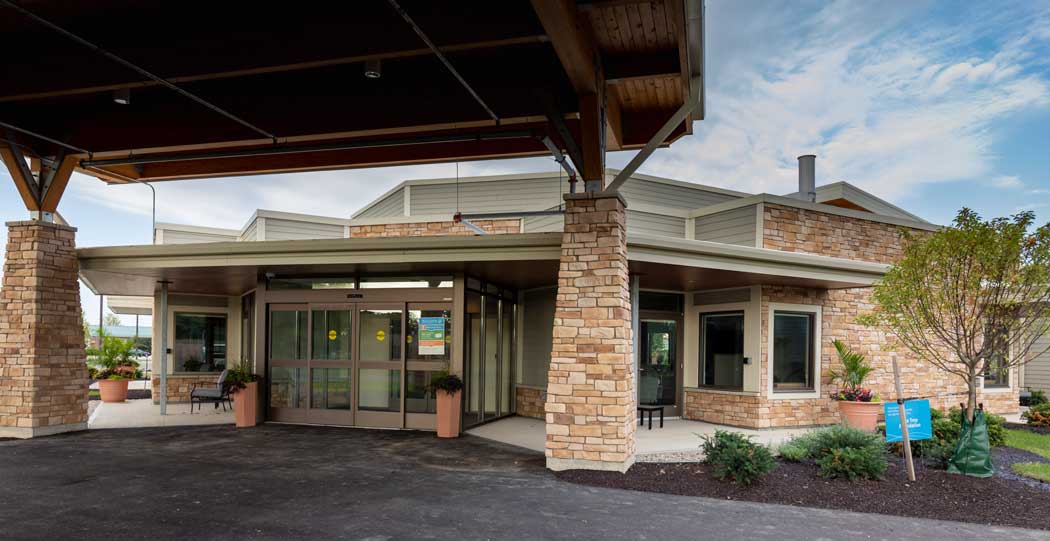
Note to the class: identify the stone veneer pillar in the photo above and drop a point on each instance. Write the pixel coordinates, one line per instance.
(590, 404)
(43, 373)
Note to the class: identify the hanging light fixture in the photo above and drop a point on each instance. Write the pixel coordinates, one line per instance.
(373, 68)
(122, 96)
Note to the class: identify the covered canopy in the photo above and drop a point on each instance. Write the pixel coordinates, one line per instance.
(126, 90)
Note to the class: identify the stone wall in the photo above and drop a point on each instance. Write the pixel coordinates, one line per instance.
(529, 402)
(430, 229)
(180, 385)
(792, 229)
(590, 387)
(43, 369)
(839, 312)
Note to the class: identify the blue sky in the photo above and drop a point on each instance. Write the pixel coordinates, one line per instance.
(931, 105)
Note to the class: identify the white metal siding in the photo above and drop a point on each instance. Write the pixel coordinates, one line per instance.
(655, 224)
(543, 224)
(172, 236)
(250, 232)
(496, 196)
(391, 205)
(1037, 371)
(647, 192)
(280, 229)
(736, 226)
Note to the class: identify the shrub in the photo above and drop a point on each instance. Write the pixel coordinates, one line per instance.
(793, 451)
(842, 451)
(853, 463)
(935, 452)
(1038, 415)
(736, 457)
(1035, 398)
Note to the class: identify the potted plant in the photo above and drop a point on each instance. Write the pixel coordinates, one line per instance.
(449, 389)
(243, 385)
(860, 407)
(114, 357)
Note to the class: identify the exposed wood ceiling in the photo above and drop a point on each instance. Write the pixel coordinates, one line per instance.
(234, 74)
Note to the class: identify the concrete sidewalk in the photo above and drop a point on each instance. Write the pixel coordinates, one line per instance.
(677, 441)
(143, 413)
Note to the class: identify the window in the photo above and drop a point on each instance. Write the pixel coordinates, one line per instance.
(312, 283)
(793, 347)
(402, 282)
(722, 350)
(996, 365)
(200, 342)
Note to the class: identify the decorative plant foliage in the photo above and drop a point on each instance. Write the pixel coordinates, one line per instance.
(445, 382)
(840, 451)
(855, 369)
(114, 356)
(1038, 415)
(239, 376)
(964, 297)
(735, 457)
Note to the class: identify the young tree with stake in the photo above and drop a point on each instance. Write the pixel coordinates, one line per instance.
(970, 298)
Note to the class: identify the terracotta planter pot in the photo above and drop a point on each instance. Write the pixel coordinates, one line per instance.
(448, 414)
(246, 405)
(862, 415)
(113, 390)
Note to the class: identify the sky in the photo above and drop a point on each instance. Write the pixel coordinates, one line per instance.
(933, 106)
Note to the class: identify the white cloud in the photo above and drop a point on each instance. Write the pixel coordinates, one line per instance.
(1006, 181)
(884, 104)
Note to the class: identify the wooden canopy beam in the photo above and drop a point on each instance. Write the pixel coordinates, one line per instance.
(571, 42)
(21, 175)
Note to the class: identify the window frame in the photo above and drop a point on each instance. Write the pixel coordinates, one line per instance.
(701, 360)
(815, 310)
(177, 311)
(1009, 377)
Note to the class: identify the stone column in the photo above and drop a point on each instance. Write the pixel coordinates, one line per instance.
(43, 374)
(591, 404)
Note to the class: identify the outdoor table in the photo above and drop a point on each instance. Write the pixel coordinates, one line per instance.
(642, 409)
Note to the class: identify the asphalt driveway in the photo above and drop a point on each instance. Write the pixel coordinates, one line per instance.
(291, 482)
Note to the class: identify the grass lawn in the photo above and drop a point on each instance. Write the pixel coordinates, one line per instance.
(1029, 441)
(93, 393)
(1035, 470)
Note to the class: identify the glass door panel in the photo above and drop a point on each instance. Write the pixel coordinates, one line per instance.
(722, 350)
(380, 366)
(490, 365)
(472, 360)
(658, 364)
(507, 341)
(331, 364)
(288, 366)
(428, 351)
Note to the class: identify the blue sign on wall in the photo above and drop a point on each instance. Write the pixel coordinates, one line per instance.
(919, 424)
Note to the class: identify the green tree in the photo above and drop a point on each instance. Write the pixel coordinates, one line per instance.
(111, 320)
(970, 297)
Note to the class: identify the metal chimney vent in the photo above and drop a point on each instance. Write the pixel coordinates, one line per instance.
(807, 177)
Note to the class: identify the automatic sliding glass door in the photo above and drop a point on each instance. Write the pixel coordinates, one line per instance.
(380, 366)
(489, 359)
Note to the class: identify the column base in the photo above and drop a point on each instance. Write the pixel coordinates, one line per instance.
(562, 464)
(25, 433)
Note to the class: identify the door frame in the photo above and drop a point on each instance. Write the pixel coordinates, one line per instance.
(679, 363)
(380, 419)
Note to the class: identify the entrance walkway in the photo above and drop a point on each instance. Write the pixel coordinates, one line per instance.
(678, 440)
(298, 482)
(144, 413)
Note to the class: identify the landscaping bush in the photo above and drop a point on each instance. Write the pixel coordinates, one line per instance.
(853, 463)
(840, 451)
(1038, 415)
(736, 457)
(793, 452)
(1035, 398)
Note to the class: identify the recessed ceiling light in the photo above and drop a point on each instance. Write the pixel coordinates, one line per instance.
(373, 69)
(122, 96)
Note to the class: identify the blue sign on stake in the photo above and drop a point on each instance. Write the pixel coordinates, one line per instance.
(919, 425)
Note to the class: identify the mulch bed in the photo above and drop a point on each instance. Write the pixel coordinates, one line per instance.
(936, 494)
(133, 394)
(1030, 428)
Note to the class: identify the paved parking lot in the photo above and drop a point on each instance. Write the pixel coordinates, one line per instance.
(292, 482)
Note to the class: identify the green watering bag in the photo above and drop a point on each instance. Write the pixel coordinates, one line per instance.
(973, 456)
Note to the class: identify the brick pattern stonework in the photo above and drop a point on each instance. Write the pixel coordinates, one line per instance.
(430, 229)
(530, 402)
(43, 370)
(799, 230)
(180, 385)
(590, 386)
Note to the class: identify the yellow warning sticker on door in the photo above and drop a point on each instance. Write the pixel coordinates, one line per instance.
(408, 339)
(332, 335)
(380, 335)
